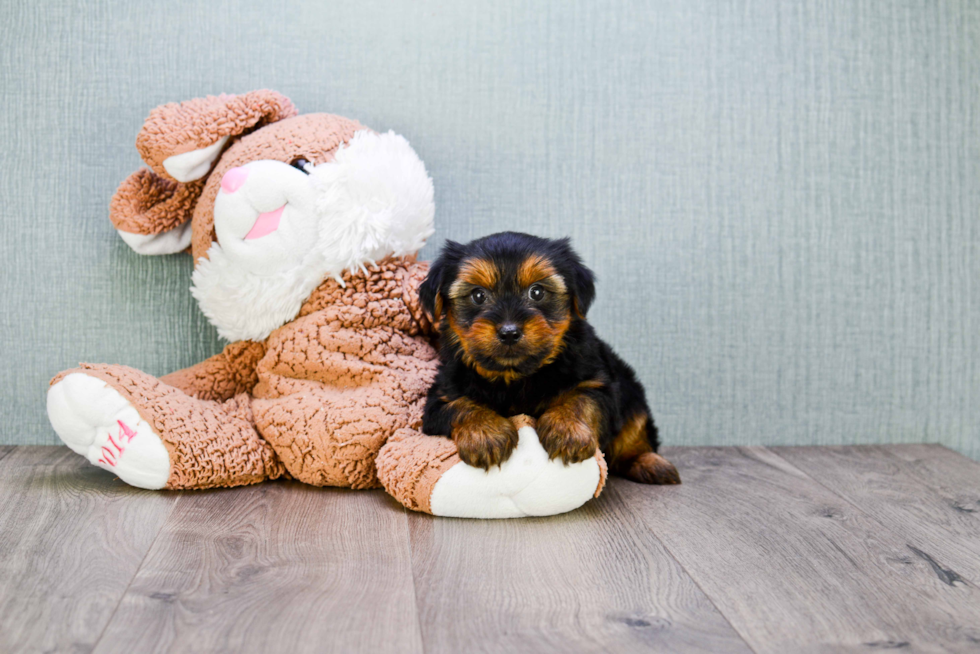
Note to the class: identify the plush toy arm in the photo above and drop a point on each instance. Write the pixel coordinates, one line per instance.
(222, 376)
(425, 474)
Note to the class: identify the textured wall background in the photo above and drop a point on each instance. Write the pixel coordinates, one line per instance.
(780, 198)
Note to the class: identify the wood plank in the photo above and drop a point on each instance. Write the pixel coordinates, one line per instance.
(279, 567)
(941, 524)
(72, 537)
(953, 475)
(795, 567)
(594, 580)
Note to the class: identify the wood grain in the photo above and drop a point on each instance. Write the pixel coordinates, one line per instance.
(940, 520)
(72, 536)
(804, 550)
(279, 567)
(954, 476)
(594, 580)
(793, 566)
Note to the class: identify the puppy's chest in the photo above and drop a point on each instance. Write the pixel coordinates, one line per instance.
(517, 398)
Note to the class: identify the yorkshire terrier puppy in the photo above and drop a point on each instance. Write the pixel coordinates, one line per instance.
(513, 339)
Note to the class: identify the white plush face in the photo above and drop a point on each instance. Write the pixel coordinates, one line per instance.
(265, 216)
(282, 231)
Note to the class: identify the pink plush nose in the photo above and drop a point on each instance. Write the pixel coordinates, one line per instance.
(233, 179)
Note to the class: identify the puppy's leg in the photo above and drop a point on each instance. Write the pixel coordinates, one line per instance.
(569, 427)
(632, 455)
(483, 437)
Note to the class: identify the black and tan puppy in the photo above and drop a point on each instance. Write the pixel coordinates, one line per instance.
(513, 339)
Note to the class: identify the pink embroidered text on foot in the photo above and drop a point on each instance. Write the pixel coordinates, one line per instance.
(126, 434)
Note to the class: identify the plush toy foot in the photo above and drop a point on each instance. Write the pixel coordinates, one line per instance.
(94, 420)
(109, 412)
(425, 473)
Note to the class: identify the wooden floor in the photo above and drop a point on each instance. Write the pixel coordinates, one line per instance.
(765, 550)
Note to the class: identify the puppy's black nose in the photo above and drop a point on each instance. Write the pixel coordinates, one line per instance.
(509, 333)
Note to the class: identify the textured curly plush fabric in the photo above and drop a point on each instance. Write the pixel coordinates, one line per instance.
(222, 376)
(410, 465)
(146, 203)
(338, 381)
(210, 444)
(179, 127)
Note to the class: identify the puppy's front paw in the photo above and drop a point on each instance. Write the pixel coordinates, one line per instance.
(484, 439)
(566, 436)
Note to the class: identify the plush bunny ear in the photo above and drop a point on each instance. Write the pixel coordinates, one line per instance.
(152, 214)
(181, 140)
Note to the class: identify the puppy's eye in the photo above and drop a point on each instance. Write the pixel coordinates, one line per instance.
(479, 296)
(301, 165)
(536, 292)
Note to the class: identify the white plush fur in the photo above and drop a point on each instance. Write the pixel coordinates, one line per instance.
(374, 200)
(176, 240)
(188, 166)
(85, 413)
(526, 484)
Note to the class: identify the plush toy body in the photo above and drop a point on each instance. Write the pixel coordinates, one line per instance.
(304, 231)
(317, 399)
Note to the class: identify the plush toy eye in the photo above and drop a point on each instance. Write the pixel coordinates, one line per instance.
(479, 296)
(301, 165)
(536, 293)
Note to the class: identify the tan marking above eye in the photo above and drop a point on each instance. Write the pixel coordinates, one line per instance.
(479, 272)
(537, 270)
(474, 273)
(534, 268)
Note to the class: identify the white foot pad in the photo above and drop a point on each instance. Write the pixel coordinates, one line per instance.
(97, 422)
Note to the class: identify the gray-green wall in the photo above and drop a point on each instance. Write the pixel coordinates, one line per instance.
(780, 198)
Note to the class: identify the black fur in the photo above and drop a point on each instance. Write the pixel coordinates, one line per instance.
(583, 356)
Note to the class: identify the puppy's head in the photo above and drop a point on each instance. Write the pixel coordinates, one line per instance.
(505, 302)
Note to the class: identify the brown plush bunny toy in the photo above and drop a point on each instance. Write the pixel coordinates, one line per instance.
(304, 231)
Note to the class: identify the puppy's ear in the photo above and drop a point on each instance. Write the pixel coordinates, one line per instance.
(430, 292)
(580, 280)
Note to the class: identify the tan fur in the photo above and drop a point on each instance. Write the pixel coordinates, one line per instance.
(543, 335)
(631, 455)
(483, 437)
(569, 426)
(629, 443)
(536, 268)
(473, 273)
(651, 468)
